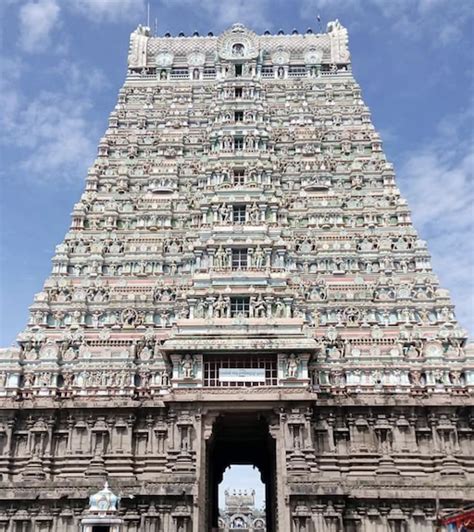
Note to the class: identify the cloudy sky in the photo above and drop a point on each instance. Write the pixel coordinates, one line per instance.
(63, 62)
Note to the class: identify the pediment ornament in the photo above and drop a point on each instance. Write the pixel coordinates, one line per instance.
(164, 59)
(313, 56)
(196, 58)
(238, 43)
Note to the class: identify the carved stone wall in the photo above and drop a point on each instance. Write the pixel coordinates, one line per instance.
(343, 462)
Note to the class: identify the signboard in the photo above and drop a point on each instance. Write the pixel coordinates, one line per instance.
(242, 374)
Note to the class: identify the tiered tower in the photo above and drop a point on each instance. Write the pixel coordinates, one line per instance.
(239, 513)
(241, 284)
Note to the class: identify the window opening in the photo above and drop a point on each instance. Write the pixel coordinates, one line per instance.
(239, 307)
(238, 49)
(255, 370)
(239, 143)
(239, 214)
(238, 177)
(239, 258)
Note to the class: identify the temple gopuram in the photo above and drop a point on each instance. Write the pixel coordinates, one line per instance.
(240, 513)
(241, 284)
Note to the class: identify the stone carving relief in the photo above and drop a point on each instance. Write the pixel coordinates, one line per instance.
(164, 59)
(238, 43)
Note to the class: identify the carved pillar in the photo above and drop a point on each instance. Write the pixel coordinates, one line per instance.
(283, 509)
(433, 422)
(149, 423)
(70, 422)
(330, 422)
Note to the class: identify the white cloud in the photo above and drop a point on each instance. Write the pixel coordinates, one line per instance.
(53, 133)
(56, 135)
(110, 10)
(437, 22)
(438, 181)
(37, 21)
(12, 68)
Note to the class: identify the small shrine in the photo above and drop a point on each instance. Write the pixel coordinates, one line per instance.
(102, 515)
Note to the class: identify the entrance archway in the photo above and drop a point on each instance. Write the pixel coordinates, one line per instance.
(241, 439)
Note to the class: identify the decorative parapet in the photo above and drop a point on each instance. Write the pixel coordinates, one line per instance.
(182, 58)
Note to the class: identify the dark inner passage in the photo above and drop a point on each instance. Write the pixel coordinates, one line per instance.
(241, 439)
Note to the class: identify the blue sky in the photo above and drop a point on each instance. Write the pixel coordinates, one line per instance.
(63, 62)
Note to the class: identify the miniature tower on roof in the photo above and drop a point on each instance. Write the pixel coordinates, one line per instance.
(241, 284)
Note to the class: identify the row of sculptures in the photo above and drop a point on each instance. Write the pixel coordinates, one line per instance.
(102, 244)
(188, 265)
(385, 288)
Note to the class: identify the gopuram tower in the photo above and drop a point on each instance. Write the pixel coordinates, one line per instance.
(241, 284)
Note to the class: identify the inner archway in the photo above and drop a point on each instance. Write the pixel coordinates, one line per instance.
(242, 499)
(241, 439)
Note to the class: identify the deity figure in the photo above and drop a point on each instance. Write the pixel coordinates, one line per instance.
(280, 309)
(259, 307)
(146, 353)
(225, 213)
(335, 352)
(187, 366)
(174, 247)
(200, 310)
(254, 214)
(31, 353)
(68, 379)
(220, 307)
(258, 258)
(250, 142)
(412, 352)
(455, 378)
(238, 523)
(227, 143)
(292, 366)
(129, 316)
(220, 259)
(69, 354)
(164, 378)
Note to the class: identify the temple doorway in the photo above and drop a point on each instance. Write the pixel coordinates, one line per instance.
(241, 439)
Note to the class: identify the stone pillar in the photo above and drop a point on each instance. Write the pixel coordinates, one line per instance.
(283, 509)
(201, 508)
